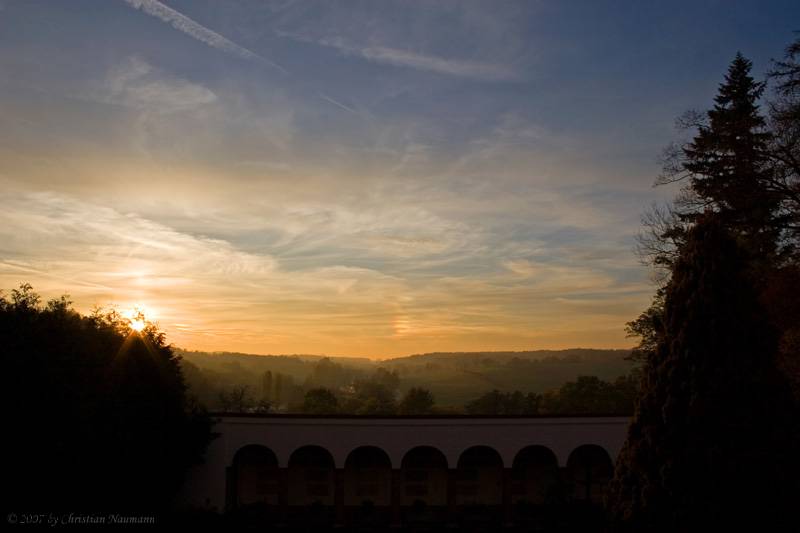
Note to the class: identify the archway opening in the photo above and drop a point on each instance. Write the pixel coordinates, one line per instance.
(256, 476)
(590, 469)
(368, 485)
(423, 493)
(311, 477)
(479, 477)
(534, 476)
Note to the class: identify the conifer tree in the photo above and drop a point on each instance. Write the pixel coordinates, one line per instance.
(726, 157)
(728, 169)
(714, 440)
(727, 163)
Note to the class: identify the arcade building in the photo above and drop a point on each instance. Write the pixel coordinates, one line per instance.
(401, 470)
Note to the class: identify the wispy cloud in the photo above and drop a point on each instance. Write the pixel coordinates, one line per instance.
(190, 27)
(440, 65)
(184, 24)
(136, 83)
(358, 205)
(405, 58)
(336, 103)
(216, 294)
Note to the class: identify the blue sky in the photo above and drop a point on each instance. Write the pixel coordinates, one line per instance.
(363, 178)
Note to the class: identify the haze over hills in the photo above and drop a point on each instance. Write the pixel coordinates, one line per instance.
(453, 378)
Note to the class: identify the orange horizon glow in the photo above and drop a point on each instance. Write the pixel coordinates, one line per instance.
(208, 295)
(194, 334)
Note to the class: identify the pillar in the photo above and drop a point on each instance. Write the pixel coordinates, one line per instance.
(396, 497)
(452, 512)
(338, 497)
(565, 481)
(230, 488)
(283, 495)
(508, 503)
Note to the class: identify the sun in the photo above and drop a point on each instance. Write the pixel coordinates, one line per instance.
(138, 317)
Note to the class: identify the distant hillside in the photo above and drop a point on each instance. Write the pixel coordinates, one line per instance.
(453, 378)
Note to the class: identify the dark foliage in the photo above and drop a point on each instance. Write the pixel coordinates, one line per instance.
(711, 445)
(714, 440)
(727, 162)
(452, 378)
(588, 395)
(370, 397)
(320, 402)
(647, 328)
(739, 166)
(99, 419)
(417, 401)
(784, 148)
(496, 402)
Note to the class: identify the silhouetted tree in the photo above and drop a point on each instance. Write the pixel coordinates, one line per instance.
(236, 400)
(726, 164)
(370, 398)
(781, 300)
(100, 416)
(328, 374)
(714, 439)
(532, 404)
(417, 401)
(591, 395)
(782, 293)
(390, 380)
(505, 403)
(647, 327)
(278, 388)
(491, 403)
(320, 401)
(266, 386)
(739, 167)
(784, 148)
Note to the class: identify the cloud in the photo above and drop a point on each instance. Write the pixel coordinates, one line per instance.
(336, 103)
(440, 65)
(405, 58)
(308, 294)
(115, 243)
(184, 24)
(521, 267)
(136, 83)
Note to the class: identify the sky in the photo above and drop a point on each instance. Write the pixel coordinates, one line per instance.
(363, 178)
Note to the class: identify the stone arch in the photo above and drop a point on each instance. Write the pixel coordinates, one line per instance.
(311, 477)
(479, 477)
(424, 477)
(534, 475)
(367, 477)
(256, 477)
(367, 486)
(590, 469)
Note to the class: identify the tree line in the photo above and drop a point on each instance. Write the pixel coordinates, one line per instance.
(240, 382)
(98, 414)
(332, 388)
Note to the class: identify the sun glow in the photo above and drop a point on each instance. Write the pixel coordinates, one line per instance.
(138, 317)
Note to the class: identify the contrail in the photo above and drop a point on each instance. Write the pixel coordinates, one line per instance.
(182, 23)
(336, 103)
(193, 29)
